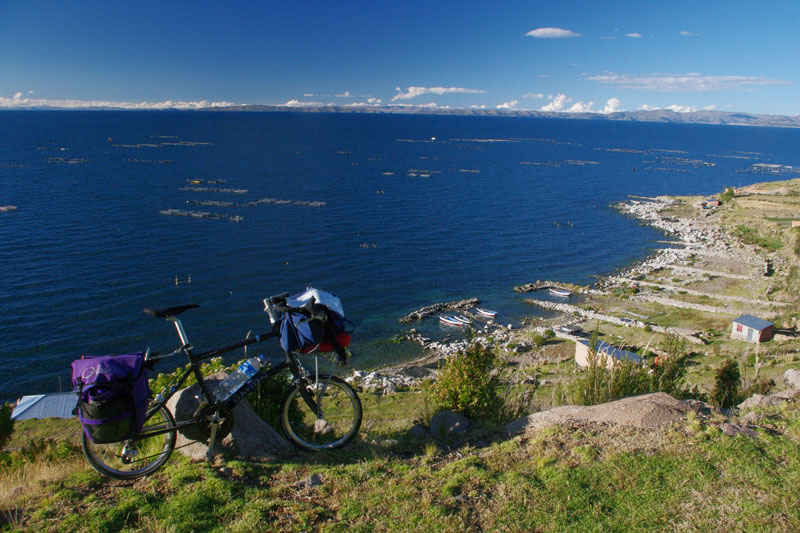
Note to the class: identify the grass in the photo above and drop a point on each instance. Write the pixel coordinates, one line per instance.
(576, 477)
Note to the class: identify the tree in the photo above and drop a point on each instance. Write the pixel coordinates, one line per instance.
(727, 390)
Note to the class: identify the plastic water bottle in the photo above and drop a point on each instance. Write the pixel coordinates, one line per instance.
(236, 379)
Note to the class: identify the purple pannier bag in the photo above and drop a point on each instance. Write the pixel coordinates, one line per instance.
(112, 396)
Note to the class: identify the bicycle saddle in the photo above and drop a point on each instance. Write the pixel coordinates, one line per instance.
(164, 312)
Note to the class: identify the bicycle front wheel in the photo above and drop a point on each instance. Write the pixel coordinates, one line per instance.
(333, 421)
(138, 457)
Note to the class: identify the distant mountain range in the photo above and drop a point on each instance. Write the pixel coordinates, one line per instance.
(658, 115)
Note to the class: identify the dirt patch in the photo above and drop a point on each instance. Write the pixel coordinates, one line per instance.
(643, 412)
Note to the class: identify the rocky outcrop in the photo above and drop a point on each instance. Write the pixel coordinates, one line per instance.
(761, 400)
(792, 379)
(646, 411)
(430, 310)
(249, 436)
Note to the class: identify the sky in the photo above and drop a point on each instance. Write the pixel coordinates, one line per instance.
(563, 56)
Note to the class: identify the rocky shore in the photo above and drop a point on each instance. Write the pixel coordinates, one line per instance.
(699, 250)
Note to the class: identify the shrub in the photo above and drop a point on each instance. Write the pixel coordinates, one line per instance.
(549, 334)
(6, 423)
(267, 398)
(600, 384)
(538, 340)
(726, 195)
(648, 328)
(760, 386)
(161, 381)
(727, 390)
(467, 384)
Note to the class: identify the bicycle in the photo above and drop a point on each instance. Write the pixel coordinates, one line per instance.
(321, 412)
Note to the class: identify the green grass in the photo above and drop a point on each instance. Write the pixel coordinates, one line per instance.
(580, 478)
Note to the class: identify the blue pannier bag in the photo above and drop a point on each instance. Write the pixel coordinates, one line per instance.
(300, 336)
(112, 396)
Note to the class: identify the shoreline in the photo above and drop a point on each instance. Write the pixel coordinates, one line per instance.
(698, 248)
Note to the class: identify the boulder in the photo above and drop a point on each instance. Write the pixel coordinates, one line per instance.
(732, 430)
(792, 379)
(449, 423)
(777, 398)
(646, 411)
(249, 437)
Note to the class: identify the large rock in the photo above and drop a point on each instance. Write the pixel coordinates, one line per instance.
(449, 423)
(792, 378)
(776, 398)
(249, 437)
(645, 411)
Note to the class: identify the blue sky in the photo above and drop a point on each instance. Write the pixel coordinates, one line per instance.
(560, 56)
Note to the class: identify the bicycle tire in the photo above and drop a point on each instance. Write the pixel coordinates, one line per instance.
(334, 425)
(109, 460)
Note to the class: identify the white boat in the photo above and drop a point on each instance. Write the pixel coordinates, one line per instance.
(560, 292)
(450, 321)
(486, 312)
(462, 318)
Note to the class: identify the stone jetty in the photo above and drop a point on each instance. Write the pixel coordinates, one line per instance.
(430, 310)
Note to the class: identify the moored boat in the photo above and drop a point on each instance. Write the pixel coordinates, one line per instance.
(486, 312)
(560, 292)
(450, 321)
(462, 319)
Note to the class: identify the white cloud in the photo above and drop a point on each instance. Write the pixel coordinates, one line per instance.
(413, 92)
(482, 106)
(538, 96)
(686, 33)
(682, 108)
(19, 100)
(371, 102)
(552, 33)
(298, 103)
(557, 104)
(692, 82)
(612, 106)
(674, 107)
(429, 105)
(508, 105)
(711, 107)
(345, 94)
(560, 104)
(580, 107)
(634, 35)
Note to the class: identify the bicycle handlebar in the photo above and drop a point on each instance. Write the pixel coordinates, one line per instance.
(309, 309)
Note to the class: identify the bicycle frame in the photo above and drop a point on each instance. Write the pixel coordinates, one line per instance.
(196, 362)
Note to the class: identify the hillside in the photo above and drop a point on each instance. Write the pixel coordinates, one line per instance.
(641, 463)
(578, 475)
(658, 115)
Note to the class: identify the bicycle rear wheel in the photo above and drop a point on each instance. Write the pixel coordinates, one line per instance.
(135, 457)
(333, 424)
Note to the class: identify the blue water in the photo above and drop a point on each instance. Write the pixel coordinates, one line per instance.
(408, 220)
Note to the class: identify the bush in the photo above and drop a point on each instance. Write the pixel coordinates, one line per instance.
(538, 340)
(648, 328)
(468, 383)
(6, 423)
(600, 384)
(268, 396)
(549, 334)
(760, 386)
(727, 390)
(726, 195)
